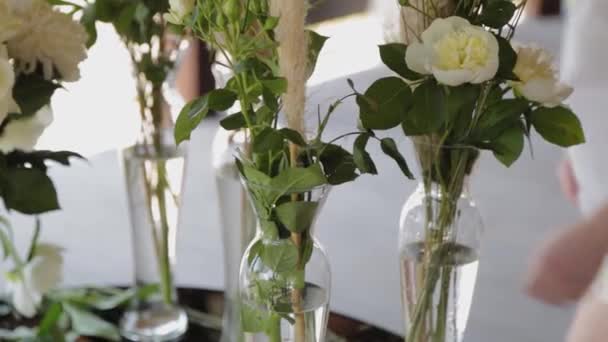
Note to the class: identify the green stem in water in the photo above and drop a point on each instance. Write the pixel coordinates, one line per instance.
(436, 253)
(164, 258)
(274, 328)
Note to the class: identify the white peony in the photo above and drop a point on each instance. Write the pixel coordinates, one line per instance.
(179, 10)
(37, 277)
(7, 81)
(47, 38)
(538, 79)
(9, 23)
(23, 134)
(455, 52)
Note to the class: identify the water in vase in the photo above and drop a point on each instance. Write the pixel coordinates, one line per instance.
(438, 291)
(280, 324)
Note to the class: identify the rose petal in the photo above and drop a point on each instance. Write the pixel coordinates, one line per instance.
(416, 58)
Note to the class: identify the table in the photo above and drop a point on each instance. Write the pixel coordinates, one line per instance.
(342, 328)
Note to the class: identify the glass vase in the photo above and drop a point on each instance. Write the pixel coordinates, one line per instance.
(237, 223)
(285, 279)
(154, 174)
(439, 241)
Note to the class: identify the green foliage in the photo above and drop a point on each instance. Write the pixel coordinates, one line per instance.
(195, 111)
(427, 113)
(297, 217)
(509, 145)
(32, 92)
(86, 323)
(361, 157)
(559, 126)
(390, 149)
(497, 13)
(384, 104)
(24, 183)
(393, 56)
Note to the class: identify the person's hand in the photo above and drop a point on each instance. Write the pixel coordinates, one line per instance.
(568, 181)
(564, 268)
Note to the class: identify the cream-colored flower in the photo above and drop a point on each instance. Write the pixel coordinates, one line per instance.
(538, 79)
(48, 38)
(36, 278)
(7, 81)
(23, 134)
(455, 52)
(9, 23)
(179, 10)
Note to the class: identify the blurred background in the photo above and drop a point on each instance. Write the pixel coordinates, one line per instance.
(521, 206)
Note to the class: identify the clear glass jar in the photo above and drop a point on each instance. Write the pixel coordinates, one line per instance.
(439, 241)
(154, 177)
(285, 278)
(237, 224)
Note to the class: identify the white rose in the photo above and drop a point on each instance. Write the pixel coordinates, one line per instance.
(455, 52)
(23, 134)
(7, 81)
(37, 277)
(538, 79)
(179, 10)
(49, 38)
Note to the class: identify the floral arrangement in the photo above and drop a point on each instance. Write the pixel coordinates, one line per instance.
(461, 86)
(41, 47)
(271, 55)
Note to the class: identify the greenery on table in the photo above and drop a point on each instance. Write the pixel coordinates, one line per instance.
(461, 86)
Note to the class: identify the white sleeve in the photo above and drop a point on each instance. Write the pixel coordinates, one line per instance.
(585, 67)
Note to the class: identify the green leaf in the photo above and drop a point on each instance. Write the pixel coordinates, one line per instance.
(507, 58)
(509, 145)
(497, 14)
(32, 92)
(427, 114)
(88, 324)
(298, 179)
(281, 256)
(385, 103)
(267, 140)
(393, 56)
(221, 99)
(5, 239)
(252, 320)
(255, 251)
(195, 111)
(276, 86)
(293, 136)
(390, 149)
(315, 45)
(50, 319)
(500, 117)
(189, 118)
(559, 126)
(88, 20)
(234, 122)
(361, 157)
(462, 98)
(297, 217)
(29, 191)
(338, 164)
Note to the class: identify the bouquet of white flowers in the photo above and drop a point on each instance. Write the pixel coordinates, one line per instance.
(461, 87)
